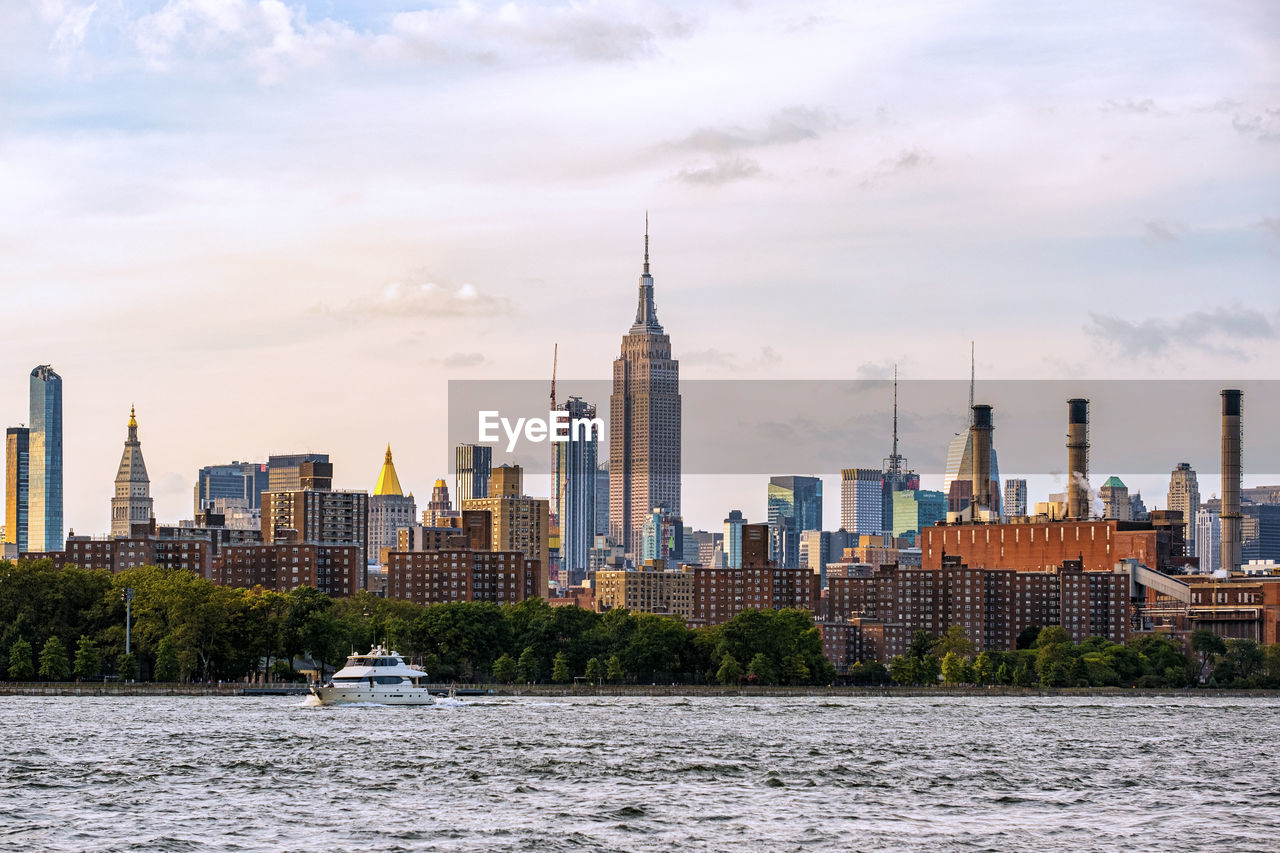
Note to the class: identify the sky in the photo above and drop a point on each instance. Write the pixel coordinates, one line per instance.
(282, 226)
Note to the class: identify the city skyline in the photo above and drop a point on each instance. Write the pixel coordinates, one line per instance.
(889, 163)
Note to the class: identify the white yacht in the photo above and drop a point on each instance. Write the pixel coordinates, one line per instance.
(380, 677)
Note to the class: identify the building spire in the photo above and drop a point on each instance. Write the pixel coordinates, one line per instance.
(133, 418)
(895, 411)
(646, 315)
(646, 242)
(972, 374)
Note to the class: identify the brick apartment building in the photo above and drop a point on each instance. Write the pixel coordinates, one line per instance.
(336, 570)
(461, 574)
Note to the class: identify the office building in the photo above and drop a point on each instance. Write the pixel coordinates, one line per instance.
(662, 537)
(733, 539)
(915, 510)
(44, 486)
(440, 507)
(602, 498)
(131, 511)
(1115, 500)
(574, 476)
(17, 483)
(390, 509)
(1184, 496)
(1208, 539)
(862, 500)
(285, 472)
(472, 464)
(518, 522)
(644, 422)
(795, 505)
(1015, 498)
(238, 481)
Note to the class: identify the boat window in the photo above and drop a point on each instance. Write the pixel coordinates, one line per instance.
(387, 679)
(347, 680)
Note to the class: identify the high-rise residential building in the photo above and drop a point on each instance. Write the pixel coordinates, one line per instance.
(44, 496)
(917, 509)
(131, 512)
(1115, 500)
(317, 517)
(733, 539)
(472, 464)
(390, 509)
(644, 422)
(285, 472)
(1184, 496)
(573, 495)
(1015, 498)
(602, 499)
(519, 522)
(862, 500)
(17, 484)
(1208, 539)
(795, 505)
(238, 481)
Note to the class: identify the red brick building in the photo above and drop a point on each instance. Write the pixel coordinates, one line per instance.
(461, 574)
(1040, 546)
(336, 570)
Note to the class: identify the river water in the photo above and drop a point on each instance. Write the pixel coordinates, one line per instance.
(638, 774)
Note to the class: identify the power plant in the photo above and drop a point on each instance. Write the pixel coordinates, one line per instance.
(1078, 459)
(1232, 434)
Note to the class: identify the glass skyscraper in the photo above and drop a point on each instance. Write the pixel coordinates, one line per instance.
(795, 505)
(573, 494)
(44, 509)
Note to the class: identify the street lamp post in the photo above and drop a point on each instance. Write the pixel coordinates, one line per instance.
(128, 601)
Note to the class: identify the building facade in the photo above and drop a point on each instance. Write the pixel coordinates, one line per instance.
(795, 505)
(317, 517)
(44, 488)
(17, 487)
(239, 481)
(131, 509)
(917, 509)
(1015, 498)
(862, 500)
(462, 574)
(650, 588)
(573, 495)
(390, 509)
(472, 464)
(733, 539)
(1115, 500)
(1040, 546)
(1208, 540)
(1184, 495)
(644, 422)
(519, 522)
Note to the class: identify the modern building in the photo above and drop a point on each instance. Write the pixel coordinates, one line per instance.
(472, 464)
(1015, 498)
(44, 496)
(862, 500)
(1184, 495)
(662, 537)
(795, 505)
(957, 485)
(131, 509)
(242, 481)
(644, 422)
(733, 539)
(311, 516)
(917, 509)
(390, 509)
(519, 522)
(819, 548)
(17, 487)
(1115, 500)
(285, 472)
(1208, 539)
(602, 498)
(573, 496)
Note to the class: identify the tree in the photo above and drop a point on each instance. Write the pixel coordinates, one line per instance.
(1207, 644)
(527, 667)
(20, 666)
(1023, 676)
(53, 660)
(730, 671)
(902, 670)
(614, 669)
(1052, 635)
(984, 668)
(1027, 637)
(595, 671)
(504, 668)
(954, 640)
(167, 668)
(560, 669)
(761, 669)
(954, 669)
(797, 671)
(128, 667)
(88, 661)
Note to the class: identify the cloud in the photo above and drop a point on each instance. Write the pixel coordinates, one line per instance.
(464, 359)
(726, 170)
(1132, 107)
(784, 127)
(906, 160)
(1206, 330)
(73, 23)
(1270, 224)
(1163, 231)
(1263, 126)
(417, 295)
(713, 357)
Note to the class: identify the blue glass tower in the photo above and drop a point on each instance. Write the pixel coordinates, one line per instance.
(795, 505)
(44, 519)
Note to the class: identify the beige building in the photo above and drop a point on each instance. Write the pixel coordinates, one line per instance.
(518, 522)
(653, 588)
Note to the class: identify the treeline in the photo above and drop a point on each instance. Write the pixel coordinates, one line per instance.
(1046, 657)
(61, 623)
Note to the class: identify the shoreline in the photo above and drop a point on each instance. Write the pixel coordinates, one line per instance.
(471, 691)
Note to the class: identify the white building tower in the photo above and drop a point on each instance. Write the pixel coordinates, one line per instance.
(131, 506)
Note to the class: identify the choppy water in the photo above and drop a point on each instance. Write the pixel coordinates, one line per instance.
(633, 774)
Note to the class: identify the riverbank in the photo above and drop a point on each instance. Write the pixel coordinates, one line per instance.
(563, 690)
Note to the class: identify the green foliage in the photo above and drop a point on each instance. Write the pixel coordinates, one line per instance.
(760, 670)
(560, 669)
(614, 669)
(128, 667)
(88, 662)
(53, 660)
(504, 668)
(955, 669)
(595, 671)
(955, 640)
(730, 671)
(20, 666)
(984, 669)
(167, 667)
(527, 666)
(1027, 637)
(868, 673)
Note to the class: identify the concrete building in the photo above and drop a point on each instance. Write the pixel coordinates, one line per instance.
(862, 500)
(44, 486)
(795, 505)
(1015, 498)
(390, 509)
(1208, 539)
(573, 497)
(1115, 500)
(644, 422)
(131, 509)
(1184, 495)
(473, 464)
(239, 481)
(519, 522)
(17, 487)
(662, 537)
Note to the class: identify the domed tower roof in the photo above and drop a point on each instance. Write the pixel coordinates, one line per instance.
(388, 483)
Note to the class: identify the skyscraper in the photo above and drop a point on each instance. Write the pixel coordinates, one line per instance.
(389, 509)
(17, 482)
(795, 505)
(644, 422)
(240, 481)
(1184, 496)
(284, 473)
(1115, 500)
(733, 539)
(131, 506)
(862, 501)
(472, 464)
(573, 494)
(1015, 498)
(518, 522)
(44, 507)
(1208, 539)
(960, 461)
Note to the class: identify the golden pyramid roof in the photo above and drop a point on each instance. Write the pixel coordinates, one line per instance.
(388, 483)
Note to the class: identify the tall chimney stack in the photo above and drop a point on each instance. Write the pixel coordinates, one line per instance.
(1231, 474)
(981, 474)
(1078, 458)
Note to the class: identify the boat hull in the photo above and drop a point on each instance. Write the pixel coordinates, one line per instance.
(365, 695)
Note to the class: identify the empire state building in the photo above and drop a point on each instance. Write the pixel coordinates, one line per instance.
(644, 422)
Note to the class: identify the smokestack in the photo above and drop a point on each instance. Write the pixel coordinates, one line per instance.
(1077, 458)
(981, 474)
(1231, 473)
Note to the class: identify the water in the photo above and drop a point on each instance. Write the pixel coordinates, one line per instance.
(639, 774)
